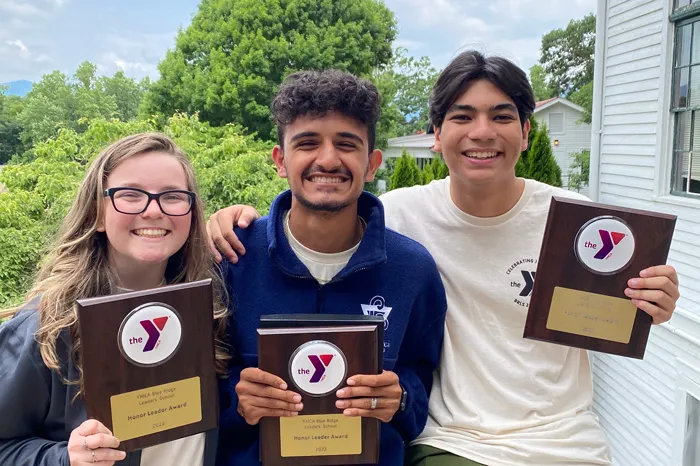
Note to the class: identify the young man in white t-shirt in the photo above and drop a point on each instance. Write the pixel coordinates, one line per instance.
(498, 399)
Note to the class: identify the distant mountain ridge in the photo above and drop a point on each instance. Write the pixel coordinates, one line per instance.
(20, 88)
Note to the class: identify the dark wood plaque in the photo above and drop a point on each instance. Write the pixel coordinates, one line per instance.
(360, 342)
(148, 363)
(589, 252)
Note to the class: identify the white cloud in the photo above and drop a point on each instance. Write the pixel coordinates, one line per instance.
(19, 44)
(20, 8)
(111, 62)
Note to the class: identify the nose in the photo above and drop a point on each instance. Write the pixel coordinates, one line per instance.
(152, 210)
(328, 157)
(482, 129)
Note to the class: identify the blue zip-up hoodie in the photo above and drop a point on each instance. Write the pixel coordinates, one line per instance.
(388, 270)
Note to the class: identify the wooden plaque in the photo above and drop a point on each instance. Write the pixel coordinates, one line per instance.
(315, 361)
(589, 252)
(148, 363)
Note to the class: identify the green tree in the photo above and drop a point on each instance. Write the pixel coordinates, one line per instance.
(412, 80)
(542, 164)
(580, 170)
(538, 80)
(231, 169)
(427, 174)
(126, 92)
(567, 55)
(230, 61)
(584, 98)
(406, 172)
(58, 101)
(10, 128)
(522, 168)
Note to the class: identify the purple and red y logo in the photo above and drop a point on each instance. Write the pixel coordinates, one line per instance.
(610, 240)
(153, 328)
(320, 362)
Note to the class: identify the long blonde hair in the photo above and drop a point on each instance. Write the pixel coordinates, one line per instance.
(77, 267)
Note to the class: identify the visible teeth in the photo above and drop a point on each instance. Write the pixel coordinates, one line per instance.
(150, 232)
(326, 179)
(481, 155)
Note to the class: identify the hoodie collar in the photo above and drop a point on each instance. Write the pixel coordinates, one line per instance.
(371, 252)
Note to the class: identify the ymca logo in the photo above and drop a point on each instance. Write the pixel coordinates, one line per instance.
(318, 367)
(610, 239)
(150, 334)
(377, 307)
(153, 328)
(521, 275)
(529, 277)
(320, 362)
(605, 245)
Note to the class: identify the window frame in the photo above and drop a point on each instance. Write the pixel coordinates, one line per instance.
(563, 122)
(683, 16)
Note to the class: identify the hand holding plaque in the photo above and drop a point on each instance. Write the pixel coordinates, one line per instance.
(314, 355)
(261, 394)
(589, 253)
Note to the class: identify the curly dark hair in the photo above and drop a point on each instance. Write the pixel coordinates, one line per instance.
(318, 92)
(470, 66)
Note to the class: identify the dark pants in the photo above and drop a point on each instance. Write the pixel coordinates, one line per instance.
(424, 455)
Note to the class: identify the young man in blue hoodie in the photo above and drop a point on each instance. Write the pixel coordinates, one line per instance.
(324, 249)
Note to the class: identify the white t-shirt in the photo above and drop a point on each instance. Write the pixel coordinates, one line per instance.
(323, 267)
(188, 450)
(498, 398)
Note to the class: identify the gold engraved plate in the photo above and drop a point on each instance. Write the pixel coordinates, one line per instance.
(320, 435)
(155, 409)
(591, 315)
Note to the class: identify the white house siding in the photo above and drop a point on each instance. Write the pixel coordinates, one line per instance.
(640, 403)
(575, 138)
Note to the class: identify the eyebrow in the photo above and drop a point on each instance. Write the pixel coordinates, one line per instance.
(494, 108)
(342, 134)
(169, 187)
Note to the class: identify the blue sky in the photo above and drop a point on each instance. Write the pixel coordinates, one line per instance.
(38, 36)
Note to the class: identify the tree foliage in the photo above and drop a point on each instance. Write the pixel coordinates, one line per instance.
(231, 169)
(522, 168)
(579, 170)
(542, 165)
(538, 80)
(405, 84)
(10, 128)
(406, 172)
(584, 98)
(57, 102)
(567, 55)
(230, 61)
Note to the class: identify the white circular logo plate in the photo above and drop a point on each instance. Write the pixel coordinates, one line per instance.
(150, 334)
(318, 368)
(605, 245)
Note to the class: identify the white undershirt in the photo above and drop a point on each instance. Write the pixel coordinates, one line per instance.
(188, 450)
(323, 267)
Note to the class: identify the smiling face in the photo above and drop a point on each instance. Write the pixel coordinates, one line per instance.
(150, 237)
(326, 161)
(481, 137)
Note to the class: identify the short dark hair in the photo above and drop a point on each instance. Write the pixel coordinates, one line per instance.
(318, 92)
(471, 66)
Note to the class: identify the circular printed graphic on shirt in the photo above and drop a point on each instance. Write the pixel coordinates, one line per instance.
(605, 245)
(150, 334)
(318, 368)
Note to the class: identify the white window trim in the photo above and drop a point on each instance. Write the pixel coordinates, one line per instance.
(687, 383)
(563, 122)
(665, 126)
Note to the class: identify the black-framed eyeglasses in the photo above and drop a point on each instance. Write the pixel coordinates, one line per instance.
(133, 201)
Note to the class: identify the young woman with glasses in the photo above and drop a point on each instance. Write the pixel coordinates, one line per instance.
(136, 223)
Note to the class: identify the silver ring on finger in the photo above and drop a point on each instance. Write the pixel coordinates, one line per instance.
(374, 403)
(94, 458)
(85, 443)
